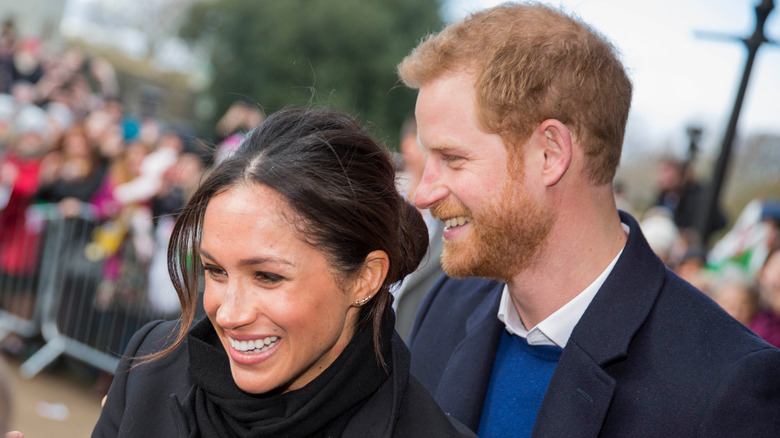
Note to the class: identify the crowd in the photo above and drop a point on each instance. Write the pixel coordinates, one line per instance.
(741, 271)
(69, 150)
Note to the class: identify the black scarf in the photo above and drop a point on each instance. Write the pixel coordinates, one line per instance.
(217, 407)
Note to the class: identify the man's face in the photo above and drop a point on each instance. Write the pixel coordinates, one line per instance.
(494, 223)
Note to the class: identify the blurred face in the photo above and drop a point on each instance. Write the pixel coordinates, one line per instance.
(769, 282)
(76, 146)
(30, 145)
(135, 157)
(736, 301)
(273, 299)
(493, 223)
(669, 176)
(413, 155)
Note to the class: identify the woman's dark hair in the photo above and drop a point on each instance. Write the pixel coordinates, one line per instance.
(341, 185)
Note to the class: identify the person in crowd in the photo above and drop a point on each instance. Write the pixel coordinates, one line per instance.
(71, 173)
(679, 191)
(20, 168)
(661, 233)
(767, 321)
(738, 297)
(150, 180)
(692, 268)
(233, 125)
(300, 234)
(556, 318)
(411, 291)
(122, 270)
(770, 216)
(7, 50)
(179, 183)
(7, 113)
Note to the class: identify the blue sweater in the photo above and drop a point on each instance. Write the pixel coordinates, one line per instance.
(517, 385)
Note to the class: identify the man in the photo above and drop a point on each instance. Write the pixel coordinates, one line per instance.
(576, 328)
(411, 291)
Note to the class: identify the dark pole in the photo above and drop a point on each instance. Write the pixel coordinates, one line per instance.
(753, 43)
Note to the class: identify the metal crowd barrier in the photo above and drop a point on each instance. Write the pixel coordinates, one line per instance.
(19, 249)
(70, 300)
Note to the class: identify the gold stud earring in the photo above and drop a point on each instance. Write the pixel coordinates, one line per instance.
(359, 303)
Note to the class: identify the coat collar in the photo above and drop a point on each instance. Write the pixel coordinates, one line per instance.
(626, 298)
(461, 395)
(580, 391)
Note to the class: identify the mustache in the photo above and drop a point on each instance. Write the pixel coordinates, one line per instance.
(449, 209)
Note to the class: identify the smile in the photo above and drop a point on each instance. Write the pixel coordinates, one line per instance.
(456, 222)
(254, 346)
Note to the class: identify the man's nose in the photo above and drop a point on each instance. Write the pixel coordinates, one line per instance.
(430, 190)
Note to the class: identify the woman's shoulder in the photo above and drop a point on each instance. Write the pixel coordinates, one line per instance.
(139, 398)
(422, 416)
(408, 408)
(150, 338)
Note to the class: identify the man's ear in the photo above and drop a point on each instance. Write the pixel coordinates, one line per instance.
(557, 149)
(372, 275)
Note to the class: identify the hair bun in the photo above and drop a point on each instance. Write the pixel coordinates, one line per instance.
(413, 238)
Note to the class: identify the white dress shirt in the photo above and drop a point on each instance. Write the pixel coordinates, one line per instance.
(556, 328)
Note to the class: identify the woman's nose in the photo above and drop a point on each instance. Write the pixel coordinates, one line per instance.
(234, 311)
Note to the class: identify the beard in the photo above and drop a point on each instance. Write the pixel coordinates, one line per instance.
(505, 236)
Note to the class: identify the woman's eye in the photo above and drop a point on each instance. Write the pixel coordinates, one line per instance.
(215, 272)
(267, 277)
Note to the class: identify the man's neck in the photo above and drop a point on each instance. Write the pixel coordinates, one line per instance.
(576, 253)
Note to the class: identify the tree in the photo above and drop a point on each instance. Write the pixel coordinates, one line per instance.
(336, 53)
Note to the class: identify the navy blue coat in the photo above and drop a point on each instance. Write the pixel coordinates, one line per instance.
(651, 357)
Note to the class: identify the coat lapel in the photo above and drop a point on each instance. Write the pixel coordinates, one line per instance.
(577, 398)
(580, 392)
(464, 384)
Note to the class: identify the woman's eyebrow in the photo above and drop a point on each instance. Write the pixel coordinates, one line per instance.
(250, 261)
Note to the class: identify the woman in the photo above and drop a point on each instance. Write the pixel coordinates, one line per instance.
(73, 172)
(300, 234)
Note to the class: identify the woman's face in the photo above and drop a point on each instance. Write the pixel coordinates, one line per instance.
(273, 299)
(76, 146)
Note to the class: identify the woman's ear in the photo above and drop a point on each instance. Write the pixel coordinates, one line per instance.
(372, 276)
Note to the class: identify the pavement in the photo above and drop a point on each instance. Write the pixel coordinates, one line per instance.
(62, 402)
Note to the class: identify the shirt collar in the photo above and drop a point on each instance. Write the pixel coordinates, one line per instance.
(556, 328)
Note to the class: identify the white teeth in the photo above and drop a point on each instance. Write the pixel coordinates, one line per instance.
(456, 221)
(254, 346)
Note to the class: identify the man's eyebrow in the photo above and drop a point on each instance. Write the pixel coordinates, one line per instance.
(447, 148)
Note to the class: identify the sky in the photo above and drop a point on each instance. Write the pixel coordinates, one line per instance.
(681, 79)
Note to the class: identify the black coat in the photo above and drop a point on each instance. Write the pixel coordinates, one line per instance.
(650, 357)
(139, 400)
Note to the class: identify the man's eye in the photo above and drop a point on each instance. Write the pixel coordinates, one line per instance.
(452, 157)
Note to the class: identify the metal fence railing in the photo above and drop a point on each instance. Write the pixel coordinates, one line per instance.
(20, 245)
(84, 301)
